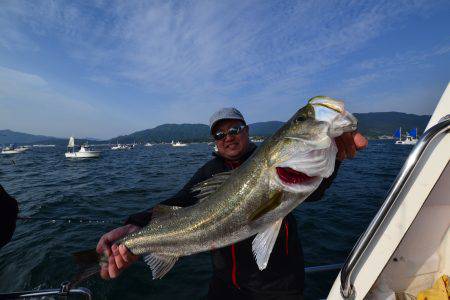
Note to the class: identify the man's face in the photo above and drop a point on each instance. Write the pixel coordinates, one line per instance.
(231, 147)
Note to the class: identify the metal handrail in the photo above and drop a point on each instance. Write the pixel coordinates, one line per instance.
(347, 289)
(64, 291)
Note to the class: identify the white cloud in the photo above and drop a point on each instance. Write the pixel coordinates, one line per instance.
(202, 45)
(198, 56)
(29, 89)
(29, 103)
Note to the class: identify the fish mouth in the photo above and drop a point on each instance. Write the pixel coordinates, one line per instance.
(303, 171)
(290, 176)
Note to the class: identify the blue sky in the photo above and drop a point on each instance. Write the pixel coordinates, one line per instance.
(104, 68)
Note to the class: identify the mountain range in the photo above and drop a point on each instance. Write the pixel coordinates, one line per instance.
(370, 124)
(10, 137)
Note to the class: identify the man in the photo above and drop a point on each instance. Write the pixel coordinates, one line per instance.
(235, 273)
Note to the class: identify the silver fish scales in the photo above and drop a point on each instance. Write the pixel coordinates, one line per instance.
(253, 199)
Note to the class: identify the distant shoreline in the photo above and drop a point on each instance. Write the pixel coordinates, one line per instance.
(372, 125)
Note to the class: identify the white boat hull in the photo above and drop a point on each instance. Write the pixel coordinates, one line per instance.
(411, 248)
(90, 154)
(407, 142)
(121, 147)
(11, 152)
(14, 151)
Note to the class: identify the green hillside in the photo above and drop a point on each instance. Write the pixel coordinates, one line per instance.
(370, 124)
(385, 123)
(167, 133)
(11, 137)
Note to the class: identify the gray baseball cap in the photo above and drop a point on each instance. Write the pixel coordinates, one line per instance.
(225, 113)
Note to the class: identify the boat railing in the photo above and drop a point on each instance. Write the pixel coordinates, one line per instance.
(347, 288)
(63, 293)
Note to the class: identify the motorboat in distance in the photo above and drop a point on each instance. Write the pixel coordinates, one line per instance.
(120, 147)
(13, 150)
(84, 152)
(148, 145)
(44, 146)
(178, 144)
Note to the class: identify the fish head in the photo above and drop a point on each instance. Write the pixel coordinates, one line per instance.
(304, 150)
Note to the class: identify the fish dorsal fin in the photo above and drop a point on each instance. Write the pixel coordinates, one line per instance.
(160, 264)
(211, 185)
(273, 201)
(161, 210)
(263, 242)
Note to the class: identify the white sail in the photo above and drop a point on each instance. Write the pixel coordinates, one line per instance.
(71, 142)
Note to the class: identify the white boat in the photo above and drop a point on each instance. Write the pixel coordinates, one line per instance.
(13, 150)
(406, 247)
(43, 146)
(256, 140)
(120, 147)
(410, 139)
(148, 145)
(385, 137)
(23, 148)
(84, 152)
(178, 144)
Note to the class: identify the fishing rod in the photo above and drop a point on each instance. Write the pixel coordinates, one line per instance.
(71, 220)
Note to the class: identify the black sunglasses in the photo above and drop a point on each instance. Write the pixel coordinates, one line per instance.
(235, 130)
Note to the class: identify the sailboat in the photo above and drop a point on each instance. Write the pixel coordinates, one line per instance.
(405, 250)
(84, 152)
(410, 139)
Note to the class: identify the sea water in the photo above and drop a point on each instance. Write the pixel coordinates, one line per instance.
(120, 183)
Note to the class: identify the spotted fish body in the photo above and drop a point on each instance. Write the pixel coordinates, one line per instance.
(253, 199)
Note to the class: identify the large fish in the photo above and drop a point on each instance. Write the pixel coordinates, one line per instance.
(253, 199)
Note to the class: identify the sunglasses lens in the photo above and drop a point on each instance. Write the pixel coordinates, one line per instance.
(232, 131)
(219, 135)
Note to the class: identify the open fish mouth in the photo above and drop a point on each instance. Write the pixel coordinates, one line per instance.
(290, 176)
(305, 169)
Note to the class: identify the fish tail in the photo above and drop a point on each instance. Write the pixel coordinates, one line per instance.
(88, 263)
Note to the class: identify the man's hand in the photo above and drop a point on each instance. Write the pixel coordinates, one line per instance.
(119, 257)
(348, 143)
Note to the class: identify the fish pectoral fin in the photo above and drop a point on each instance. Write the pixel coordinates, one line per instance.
(160, 264)
(274, 200)
(210, 186)
(263, 242)
(161, 209)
